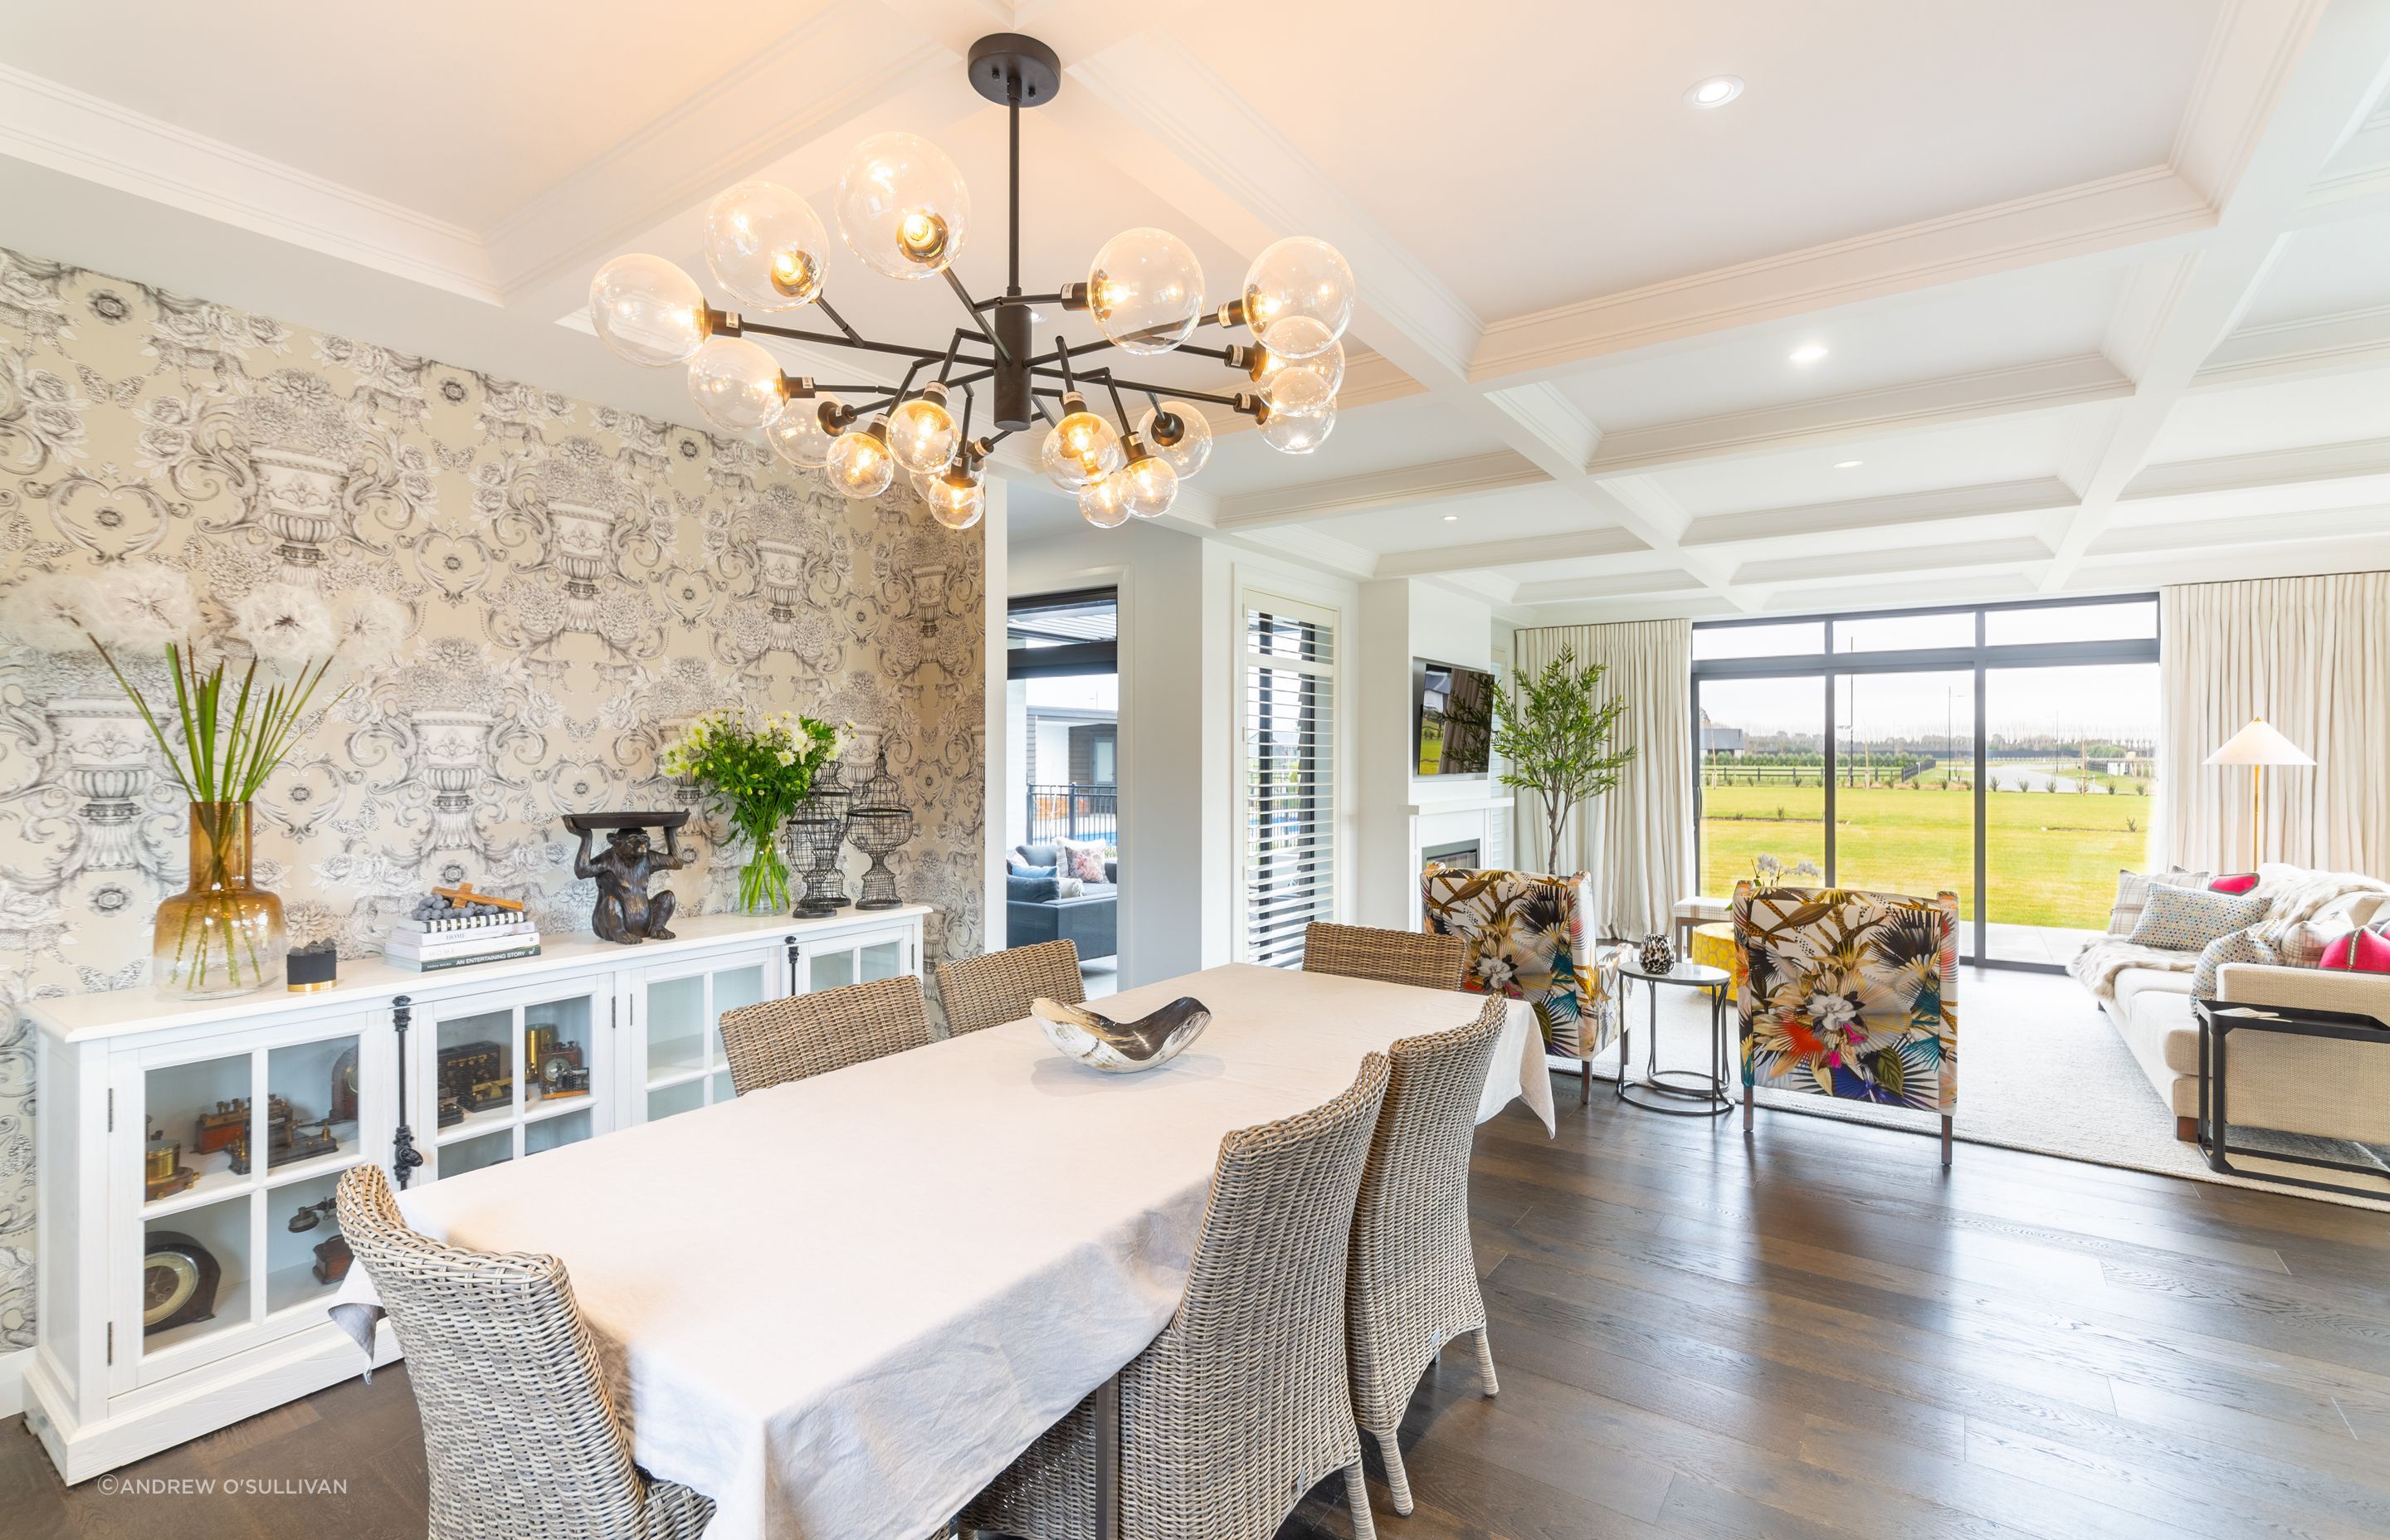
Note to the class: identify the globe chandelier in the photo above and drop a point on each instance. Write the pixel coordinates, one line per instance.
(903, 211)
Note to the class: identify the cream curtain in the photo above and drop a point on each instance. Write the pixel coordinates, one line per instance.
(1638, 841)
(2312, 657)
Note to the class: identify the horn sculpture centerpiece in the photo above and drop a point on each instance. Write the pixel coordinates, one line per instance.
(1121, 1047)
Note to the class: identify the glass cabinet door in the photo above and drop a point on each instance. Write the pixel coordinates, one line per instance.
(681, 1015)
(510, 1076)
(238, 1154)
(857, 959)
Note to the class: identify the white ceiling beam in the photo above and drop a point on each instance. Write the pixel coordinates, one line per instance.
(2347, 343)
(2274, 529)
(1838, 596)
(2047, 385)
(2322, 93)
(2040, 494)
(1610, 586)
(1914, 559)
(1485, 555)
(1404, 486)
(2300, 466)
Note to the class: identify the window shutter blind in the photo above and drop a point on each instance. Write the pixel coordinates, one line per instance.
(1290, 767)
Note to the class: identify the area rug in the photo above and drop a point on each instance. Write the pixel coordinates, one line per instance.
(2039, 1070)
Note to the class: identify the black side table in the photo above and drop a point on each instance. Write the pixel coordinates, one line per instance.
(2217, 1021)
(1706, 1098)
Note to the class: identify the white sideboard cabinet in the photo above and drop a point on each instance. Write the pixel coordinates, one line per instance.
(185, 1247)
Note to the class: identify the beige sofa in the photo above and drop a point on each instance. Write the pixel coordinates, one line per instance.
(2299, 1085)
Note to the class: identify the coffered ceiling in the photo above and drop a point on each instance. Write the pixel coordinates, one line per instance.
(1951, 301)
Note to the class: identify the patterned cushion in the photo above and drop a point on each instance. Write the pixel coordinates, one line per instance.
(1527, 940)
(2186, 919)
(1850, 994)
(2240, 946)
(2300, 943)
(2133, 891)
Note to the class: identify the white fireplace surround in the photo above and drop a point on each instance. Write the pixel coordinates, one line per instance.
(1475, 816)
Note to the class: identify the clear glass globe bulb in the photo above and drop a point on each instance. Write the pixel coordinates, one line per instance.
(797, 435)
(860, 465)
(956, 505)
(1300, 278)
(1149, 487)
(648, 311)
(1298, 391)
(1105, 503)
(1327, 364)
(765, 246)
(1082, 449)
(1145, 290)
(922, 435)
(902, 206)
(1298, 433)
(1297, 338)
(1185, 453)
(737, 385)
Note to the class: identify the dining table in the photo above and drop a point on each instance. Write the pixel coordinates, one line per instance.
(840, 1306)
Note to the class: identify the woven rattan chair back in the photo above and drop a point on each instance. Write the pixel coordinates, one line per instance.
(996, 987)
(518, 1430)
(1413, 1279)
(1243, 1402)
(1389, 956)
(804, 1035)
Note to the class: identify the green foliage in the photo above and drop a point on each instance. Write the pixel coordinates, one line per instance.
(762, 767)
(1559, 736)
(225, 754)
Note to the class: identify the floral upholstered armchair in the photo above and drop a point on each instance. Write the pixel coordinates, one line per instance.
(1528, 939)
(1851, 995)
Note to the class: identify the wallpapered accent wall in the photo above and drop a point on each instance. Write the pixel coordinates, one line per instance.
(579, 580)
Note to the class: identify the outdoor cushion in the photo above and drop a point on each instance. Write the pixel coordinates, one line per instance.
(1030, 889)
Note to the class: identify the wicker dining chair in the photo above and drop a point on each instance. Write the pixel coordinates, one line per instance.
(811, 1034)
(1390, 956)
(1243, 1402)
(518, 1430)
(996, 987)
(1412, 1284)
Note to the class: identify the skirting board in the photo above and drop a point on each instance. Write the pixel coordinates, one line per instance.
(12, 1381)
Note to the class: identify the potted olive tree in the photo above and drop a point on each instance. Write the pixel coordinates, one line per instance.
(1557, 736)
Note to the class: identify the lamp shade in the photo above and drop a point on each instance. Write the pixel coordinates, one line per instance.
(2258, 744)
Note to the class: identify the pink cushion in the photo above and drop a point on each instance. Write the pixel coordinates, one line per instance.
(2235, 883)
(2360, 951)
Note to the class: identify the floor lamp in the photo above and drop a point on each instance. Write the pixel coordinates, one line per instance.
(2259, 746)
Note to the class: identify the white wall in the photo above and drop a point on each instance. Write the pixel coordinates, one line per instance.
(1403, 619)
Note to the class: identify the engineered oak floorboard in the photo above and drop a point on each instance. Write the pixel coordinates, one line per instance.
(1815, 1334)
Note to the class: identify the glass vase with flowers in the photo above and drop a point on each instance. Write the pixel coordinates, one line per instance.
(762, 766)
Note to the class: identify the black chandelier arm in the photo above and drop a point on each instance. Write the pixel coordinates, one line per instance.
(1020, 299)
(1120, 409)
(971, 310)
(826, 340)
(821, 302)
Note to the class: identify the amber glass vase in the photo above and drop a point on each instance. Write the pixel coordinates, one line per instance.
(223, 935)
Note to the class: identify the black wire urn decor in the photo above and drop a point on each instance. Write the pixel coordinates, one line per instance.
(877, 822)
(819, 825)
(904, 212)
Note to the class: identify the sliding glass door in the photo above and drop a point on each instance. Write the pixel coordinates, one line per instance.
(2003, 754)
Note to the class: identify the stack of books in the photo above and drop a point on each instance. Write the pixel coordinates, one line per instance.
(424, 945)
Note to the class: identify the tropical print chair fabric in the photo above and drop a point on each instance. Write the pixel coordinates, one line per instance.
(1850, 994)
(1527, 940)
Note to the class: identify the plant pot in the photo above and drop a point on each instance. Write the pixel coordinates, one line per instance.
(223, 935)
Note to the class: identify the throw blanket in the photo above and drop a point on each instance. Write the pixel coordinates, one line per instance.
(2295, 894)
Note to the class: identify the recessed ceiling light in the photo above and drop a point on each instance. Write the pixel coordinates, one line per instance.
(1848, 465)
(1808, 352)
(1451, 518)
(1716, 91)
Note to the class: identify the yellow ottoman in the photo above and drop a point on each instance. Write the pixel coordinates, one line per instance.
(1714, 944)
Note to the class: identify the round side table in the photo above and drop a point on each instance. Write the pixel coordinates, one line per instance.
(1706, 1097)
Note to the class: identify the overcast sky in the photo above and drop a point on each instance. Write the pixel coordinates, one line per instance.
(2108, 702)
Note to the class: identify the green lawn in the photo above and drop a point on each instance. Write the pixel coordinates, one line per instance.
(2052, 858)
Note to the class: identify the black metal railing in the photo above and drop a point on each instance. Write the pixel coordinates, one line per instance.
(1087, 813)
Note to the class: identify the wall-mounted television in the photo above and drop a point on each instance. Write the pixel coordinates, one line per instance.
(1451, 718)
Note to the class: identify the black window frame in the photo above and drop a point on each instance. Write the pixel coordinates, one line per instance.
(1829, 667)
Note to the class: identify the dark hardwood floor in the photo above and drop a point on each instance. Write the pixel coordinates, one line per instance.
(1817, 1334)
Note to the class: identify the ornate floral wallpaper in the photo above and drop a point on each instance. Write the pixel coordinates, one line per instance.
(576, 580)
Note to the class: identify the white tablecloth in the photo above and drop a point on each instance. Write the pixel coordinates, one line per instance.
(840, 1306)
